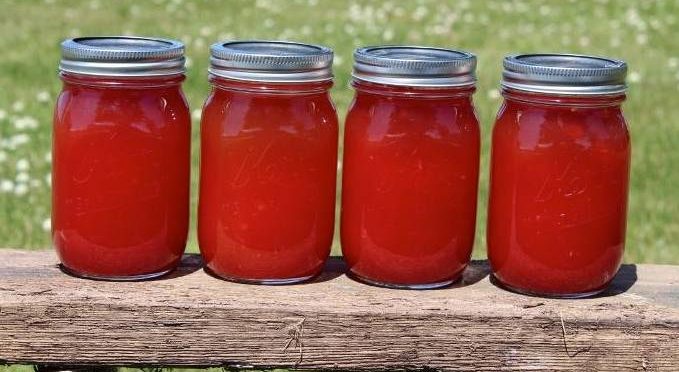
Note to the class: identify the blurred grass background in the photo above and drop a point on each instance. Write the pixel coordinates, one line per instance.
(644, 33)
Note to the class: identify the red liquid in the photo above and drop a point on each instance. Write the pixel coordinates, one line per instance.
(268, 175)
(120, 198)
(558, 197)
(411, 163)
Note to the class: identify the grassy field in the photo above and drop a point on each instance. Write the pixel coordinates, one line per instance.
(646, 34)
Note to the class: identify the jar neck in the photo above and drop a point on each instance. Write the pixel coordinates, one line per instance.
(122, 82)
(270, 88)
(547, 99)
(413, 91)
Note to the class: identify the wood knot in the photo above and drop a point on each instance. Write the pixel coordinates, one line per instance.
(407, 355)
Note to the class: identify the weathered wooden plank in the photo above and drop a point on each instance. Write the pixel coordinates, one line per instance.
(191, 318)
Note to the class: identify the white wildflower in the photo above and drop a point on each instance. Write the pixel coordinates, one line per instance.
(673, 62)
(47, 224)
(48, 157)
(634, 77)
(18, 106)
(42, 96)
(493, 94)
(642, 39)
(206, 31)
(22, 177)
(196, 114)
(6, 185)
(420, 13)
(18, 140)
(22, 165)
(20, 189)
(25, 122)
(545, 10)
(3, 114)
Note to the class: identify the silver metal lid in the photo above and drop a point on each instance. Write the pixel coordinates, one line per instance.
(271, 61)
(414, 66)
(123, 56)
(566, 74)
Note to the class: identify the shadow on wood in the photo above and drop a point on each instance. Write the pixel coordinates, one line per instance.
(623, 280)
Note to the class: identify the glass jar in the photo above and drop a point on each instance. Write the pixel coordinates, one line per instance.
(559, 175)
(411, 164)
(121, 158)
(268, 162)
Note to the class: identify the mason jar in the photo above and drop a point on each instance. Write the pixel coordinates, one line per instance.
(411, 165)
(268, 162)
(559, 175)
(121, 158)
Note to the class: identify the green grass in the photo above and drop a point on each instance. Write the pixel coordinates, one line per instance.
(643, 33)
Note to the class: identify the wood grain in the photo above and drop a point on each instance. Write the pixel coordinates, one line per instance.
(193, 319)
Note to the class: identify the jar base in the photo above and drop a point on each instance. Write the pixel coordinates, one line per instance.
(564, 296)
(130, 278)
(285, 281)
(425, 286)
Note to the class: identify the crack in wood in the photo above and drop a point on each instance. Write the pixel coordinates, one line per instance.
(530, 306)
(565, 343)
(295, 333)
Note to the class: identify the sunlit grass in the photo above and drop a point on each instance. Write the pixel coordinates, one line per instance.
(643, 33)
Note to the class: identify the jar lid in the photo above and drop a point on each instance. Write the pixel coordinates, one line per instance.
(414, 66)
(123, 56)
(271, 61)
(567, 74)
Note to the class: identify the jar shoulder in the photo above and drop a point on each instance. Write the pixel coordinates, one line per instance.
(245, 111)
(81, 106)
(454, 116)
(546, 124)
